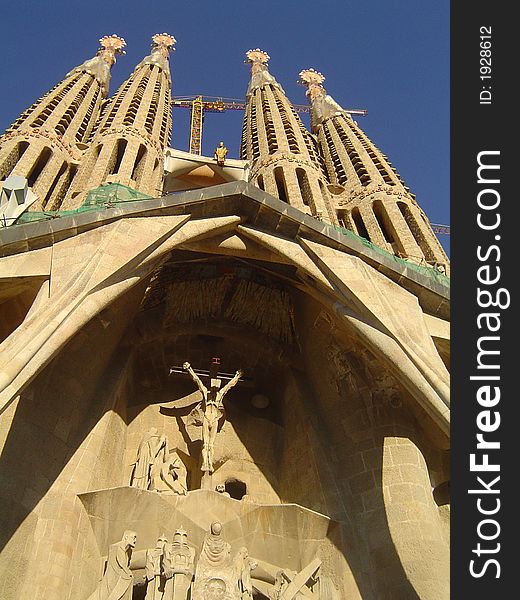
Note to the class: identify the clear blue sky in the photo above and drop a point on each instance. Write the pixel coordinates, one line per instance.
(391, 58)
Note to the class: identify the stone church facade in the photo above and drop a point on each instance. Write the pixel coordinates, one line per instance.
(219, 378)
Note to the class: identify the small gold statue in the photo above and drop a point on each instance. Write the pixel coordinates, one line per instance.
(220, 154)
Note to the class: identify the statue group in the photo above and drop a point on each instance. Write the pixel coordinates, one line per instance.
(158, 468)
(170, 572)
(169, 568)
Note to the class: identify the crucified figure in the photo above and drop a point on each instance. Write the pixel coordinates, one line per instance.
(212, 407)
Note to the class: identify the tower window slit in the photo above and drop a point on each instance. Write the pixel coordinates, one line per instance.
(382, 221)
(28, 111)
(49, 108)
(243, 140)
(288, 125)
(359, 223)
(139, 163)
(115, 104)
(62, 188)
(12, 159)
(254, 133)
(153, 107)
(353, 155)
(38, 166)
(338, 164)
(119, 152)
(50, 192)
(65, 121)
(83, 128)
(269, 126)
(416, 231)
(280, 184)
(344, 219)
(305, 188)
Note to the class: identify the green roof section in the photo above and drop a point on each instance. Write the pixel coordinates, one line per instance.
(112, 194)
(428, 271)
(105, 196)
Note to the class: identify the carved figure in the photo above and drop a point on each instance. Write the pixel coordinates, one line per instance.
(221, 489)
(244, 565)
(181, 557)
(220, 576)
(280, 584)
(215, 550)
(220, 154)
(153, 449)
(169, 476)
(157, 571)
(290, 585)
(215, 589)
(212, 408)
(117, 582)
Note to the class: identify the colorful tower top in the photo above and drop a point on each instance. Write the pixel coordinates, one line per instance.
(132, 133)
(162, 45)
(99, 66)
(283, 155)
(323, 106)
(260, 76)
(371, 199)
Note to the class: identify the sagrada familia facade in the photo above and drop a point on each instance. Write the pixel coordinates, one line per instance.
(219, 378)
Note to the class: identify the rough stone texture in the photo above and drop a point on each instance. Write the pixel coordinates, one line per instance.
(331, 467)
(131, 136)
(46, 143)
(284, 158)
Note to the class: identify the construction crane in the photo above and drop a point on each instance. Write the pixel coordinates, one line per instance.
(441, 229)
(199, 105)
(202, 104)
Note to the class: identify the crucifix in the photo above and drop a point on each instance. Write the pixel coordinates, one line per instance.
(211, 407)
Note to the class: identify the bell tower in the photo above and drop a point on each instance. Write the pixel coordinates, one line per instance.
(284, 158)
(133, 132)
(47, 141)
(372, 199)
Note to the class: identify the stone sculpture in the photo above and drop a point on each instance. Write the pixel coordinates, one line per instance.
(216, 551)
(215, 576)
(290, 585)
(152, 450)
(157, 570)
(212, 409)
(244, 565)
(170, 475)
(182, 560)
(170, 568)
(215, 589)
(221, 489)
(117, 582)
(280, 584)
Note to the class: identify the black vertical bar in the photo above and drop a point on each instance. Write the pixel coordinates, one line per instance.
(483, 121)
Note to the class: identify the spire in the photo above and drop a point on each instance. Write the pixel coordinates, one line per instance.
(99, 66)
(133, 131)
(323, 106)
(260, 75)
(370, 197)
(284, 158)
(162, 45)
(46, 143)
